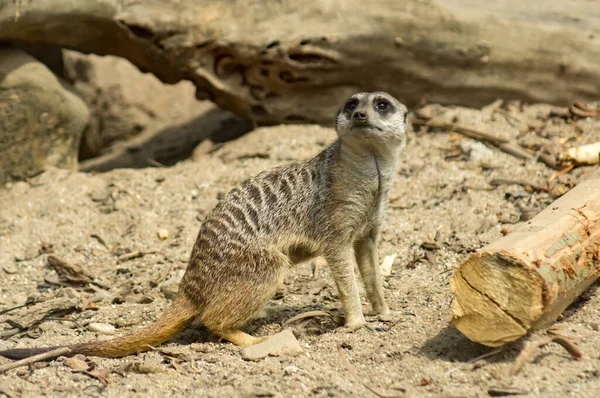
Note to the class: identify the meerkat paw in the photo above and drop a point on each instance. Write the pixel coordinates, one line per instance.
(354, 325)
(388, 316)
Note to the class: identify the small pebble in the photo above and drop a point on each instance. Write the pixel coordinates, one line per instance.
(386, 265)
(163, 233)
(169, 290)
(11, 269)
(76, 364)
(291, 369)
(102, 328)
(150, 365)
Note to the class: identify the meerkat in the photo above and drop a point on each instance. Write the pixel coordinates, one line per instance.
(333, 206)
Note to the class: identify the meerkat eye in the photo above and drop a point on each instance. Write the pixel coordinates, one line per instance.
(405, 117)
(350, 106)
(382, 105)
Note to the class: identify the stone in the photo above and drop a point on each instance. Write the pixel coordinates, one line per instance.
(102, 328)
(41, 117)
(283, 343)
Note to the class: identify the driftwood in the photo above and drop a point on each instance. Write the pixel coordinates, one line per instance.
(585, 154)
(526, 279)
(505, 145)
(36, 358)
(294, 61)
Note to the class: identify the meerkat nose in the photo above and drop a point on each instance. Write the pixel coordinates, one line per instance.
(359, 116)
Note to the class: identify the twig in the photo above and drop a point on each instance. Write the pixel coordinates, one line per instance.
(155, 163)
(431, 258)
(483, 356)
(100, 240)
(136, 254)
(512, 120)
(561, 172)
(353, 372)
(127, 230)
(464, 130)
(9, 333)
(36, 358)
(583, 110)
(503, 144)
(72, 273)
(7, 310)
(531, 347)
(505, 391)
(508, 181)
(308, 314)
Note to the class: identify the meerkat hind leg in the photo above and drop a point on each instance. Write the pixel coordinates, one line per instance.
(241, 339)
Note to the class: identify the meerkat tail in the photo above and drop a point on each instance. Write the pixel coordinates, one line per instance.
(173, 321)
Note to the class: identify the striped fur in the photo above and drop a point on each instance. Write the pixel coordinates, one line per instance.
(333, 205)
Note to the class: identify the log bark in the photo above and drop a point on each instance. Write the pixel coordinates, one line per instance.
(295, 61)
(526, 279)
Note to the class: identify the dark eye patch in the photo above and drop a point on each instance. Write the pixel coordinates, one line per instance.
(382, 105)
(351, 104)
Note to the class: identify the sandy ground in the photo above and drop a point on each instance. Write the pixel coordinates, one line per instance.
(443, 208)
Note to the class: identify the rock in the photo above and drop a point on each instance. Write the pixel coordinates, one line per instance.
(124, 101)
(170, 287)
(477, 151)
(149, 365)
(386, 265)
(290, 369)
(162, 233)
(140, 116)
(41, 117)
(102, 328)
(282, 343)
(76, 364)
(169, 290)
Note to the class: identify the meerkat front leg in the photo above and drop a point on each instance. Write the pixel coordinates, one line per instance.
(341, 266)
(367, 258)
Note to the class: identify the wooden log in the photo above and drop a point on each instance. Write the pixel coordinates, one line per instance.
(526, 279)
(585, 154)
(294, 61)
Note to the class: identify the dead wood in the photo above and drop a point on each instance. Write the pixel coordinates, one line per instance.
(36, 358)
(505, 145)
(294, 61)
(526, 279)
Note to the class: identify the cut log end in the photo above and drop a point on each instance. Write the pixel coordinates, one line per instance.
(498, 302)
(526, 279)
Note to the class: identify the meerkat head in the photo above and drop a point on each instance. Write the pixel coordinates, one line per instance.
(375, 117)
